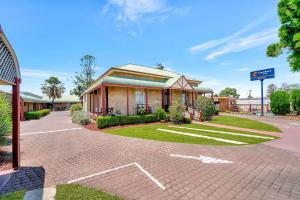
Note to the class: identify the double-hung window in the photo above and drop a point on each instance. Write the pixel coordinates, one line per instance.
(140, 97)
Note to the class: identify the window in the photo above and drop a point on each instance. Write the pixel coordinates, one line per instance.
(140, 97)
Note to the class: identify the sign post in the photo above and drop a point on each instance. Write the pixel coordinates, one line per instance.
(262, 75)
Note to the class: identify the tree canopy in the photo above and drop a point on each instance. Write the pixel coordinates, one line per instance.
(229, 92)
(53, 88)
(289, 33)
(270, 89)
(84, 78)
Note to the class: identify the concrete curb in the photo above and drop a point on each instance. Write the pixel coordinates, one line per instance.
(41, 194)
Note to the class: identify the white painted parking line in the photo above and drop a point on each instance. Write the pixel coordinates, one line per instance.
(121, 167)
(202, 136)
(52, 131)
(203, 159)
(223, 132)
(292, 123)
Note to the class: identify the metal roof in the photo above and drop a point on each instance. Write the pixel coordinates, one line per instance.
(169, 78)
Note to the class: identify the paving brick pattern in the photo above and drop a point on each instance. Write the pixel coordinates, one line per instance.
(258, 172)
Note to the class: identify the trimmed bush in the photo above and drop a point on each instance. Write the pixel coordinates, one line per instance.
(75, 107)
(135, 119)
(161, 114)
(295, 100)
(150, 118)
(81, 117)
(280, 102)
(107, 121)
(177, 112)
(206, 106)
(36, 114)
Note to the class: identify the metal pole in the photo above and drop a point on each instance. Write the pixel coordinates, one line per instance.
(262, 96)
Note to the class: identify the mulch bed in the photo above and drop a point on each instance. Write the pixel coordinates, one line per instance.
(5, 161)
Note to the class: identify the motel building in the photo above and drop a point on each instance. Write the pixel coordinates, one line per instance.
(133, 89)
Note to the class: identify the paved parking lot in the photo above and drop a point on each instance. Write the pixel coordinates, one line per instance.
(142, 169)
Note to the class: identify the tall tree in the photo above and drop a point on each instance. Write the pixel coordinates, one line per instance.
(250, 94)
(288, 87)
(229, 92)
(270, 89)
(84, 78)
(289, 33)
(53, 88)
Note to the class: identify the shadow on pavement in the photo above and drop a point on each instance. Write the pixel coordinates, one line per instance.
(25, 178)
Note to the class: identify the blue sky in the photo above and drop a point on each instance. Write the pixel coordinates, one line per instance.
(218, 42)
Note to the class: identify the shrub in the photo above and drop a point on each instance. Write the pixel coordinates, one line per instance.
(161, 114)
(206, 106)
(216, 111)
(150, 118)
(80, 117)
(187, 120)
(76, 107)
(280, 102)
(5, 116)
(177, 112)
(36, 114)
(167, 117)
(295, 100)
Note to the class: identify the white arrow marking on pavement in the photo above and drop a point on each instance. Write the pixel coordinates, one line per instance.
(52, 131)
(202, 136)
(224, 132)
(203, 159)
(121, 167)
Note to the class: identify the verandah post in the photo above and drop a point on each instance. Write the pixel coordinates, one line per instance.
(16, 123)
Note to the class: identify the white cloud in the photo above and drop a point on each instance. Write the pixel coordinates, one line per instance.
(137, 10)
(221, 41)
(132, 10)
(243, 69)
(240, 44)
(43, 74)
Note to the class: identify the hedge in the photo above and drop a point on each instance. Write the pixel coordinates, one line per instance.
(107, 121)
(36, 114)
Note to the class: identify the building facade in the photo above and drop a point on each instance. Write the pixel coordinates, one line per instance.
(134, 89)
(253, 105)
(32, 102)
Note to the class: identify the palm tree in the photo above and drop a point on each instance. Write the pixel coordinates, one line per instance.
(53, 88)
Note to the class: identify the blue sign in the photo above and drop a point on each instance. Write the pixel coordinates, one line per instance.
(262, 74)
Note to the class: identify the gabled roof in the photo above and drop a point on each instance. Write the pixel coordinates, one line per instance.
(169, 78)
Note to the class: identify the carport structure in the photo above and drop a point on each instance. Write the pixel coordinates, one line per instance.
(10, 75)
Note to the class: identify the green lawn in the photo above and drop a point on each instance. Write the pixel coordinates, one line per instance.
(244, 123)
(150, 132)
(74, 192)
(68, 192)
(18, 195)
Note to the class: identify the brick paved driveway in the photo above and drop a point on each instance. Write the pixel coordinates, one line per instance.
(258, 171)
